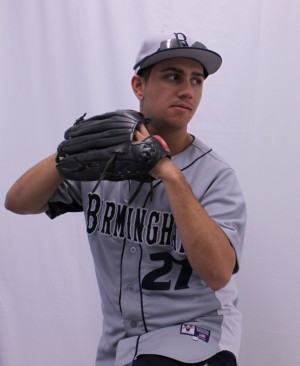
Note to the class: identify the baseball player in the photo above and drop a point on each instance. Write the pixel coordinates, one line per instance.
(165, 250)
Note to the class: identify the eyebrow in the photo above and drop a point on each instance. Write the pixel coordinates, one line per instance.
(179, 71)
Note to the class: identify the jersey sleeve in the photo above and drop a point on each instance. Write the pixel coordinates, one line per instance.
(225, 203)
(67, 198)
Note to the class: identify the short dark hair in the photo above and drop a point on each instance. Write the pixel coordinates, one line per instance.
(145, 73)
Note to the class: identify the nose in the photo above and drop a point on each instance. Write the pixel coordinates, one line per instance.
(186, 90)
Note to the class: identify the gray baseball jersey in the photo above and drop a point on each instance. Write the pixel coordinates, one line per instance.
(152, 301)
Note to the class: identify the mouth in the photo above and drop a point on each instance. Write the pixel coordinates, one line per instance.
(182, 106)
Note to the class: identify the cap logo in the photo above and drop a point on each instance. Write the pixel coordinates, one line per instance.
(181, 41)
(178, 45)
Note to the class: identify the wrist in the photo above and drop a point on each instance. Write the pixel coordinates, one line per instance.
(165, 170)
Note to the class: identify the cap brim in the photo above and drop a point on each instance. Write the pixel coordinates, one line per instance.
(209, 59)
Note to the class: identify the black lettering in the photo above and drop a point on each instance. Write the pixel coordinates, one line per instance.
(152, 232)
(139, 224)
(184, 275)
(130, 211)
(177, 244)
(167, 229)
(149, 281)
(181, 249)
(181, 41)
(110, 209)
(120, 221)
(92, 212)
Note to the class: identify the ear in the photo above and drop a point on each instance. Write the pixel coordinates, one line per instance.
(138, 84)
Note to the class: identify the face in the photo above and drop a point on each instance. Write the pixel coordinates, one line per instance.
(171, 94)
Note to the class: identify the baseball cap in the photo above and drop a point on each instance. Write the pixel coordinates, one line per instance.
(155, 49)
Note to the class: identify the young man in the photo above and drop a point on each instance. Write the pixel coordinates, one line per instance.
(164, 262)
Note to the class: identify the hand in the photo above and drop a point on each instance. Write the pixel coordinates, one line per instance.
(164, 166)
(165, 170)
(140, 132)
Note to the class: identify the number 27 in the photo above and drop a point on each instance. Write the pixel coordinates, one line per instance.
(150, 282)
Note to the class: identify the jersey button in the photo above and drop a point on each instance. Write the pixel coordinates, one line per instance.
(133, 324)
(132, 250)
(130, 288)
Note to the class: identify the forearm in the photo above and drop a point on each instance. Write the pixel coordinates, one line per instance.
(207, 247)
(31, 192)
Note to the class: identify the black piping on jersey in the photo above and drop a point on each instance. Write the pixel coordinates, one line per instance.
(149, 195)
(207, 189)
(199, 157)
(136, 348)
(146, 200)
(121, 281)
(186, 167)
(141, 292)
(132, 198)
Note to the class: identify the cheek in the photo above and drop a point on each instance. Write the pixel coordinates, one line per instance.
(198, 97)
(157, 98)
(154, 99)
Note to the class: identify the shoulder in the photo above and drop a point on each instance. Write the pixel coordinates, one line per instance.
(202, 159)
(210, 153)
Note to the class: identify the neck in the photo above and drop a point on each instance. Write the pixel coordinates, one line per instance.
(177, 142)
(179, 146)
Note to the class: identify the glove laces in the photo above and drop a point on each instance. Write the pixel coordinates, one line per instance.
(107, 167)
(139, 187)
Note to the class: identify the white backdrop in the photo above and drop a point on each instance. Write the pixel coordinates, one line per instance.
(60, 59)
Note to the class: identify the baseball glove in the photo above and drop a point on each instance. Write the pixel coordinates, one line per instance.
(102, 147)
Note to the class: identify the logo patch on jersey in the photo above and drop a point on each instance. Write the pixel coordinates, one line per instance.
(198, 333)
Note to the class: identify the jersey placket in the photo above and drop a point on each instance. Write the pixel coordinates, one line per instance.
(130, 298)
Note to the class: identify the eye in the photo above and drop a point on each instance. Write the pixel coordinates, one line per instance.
(173, 76)
(197, 81)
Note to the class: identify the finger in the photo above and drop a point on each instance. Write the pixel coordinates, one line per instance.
(143, 129)
(140, 132)
(138, 136)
